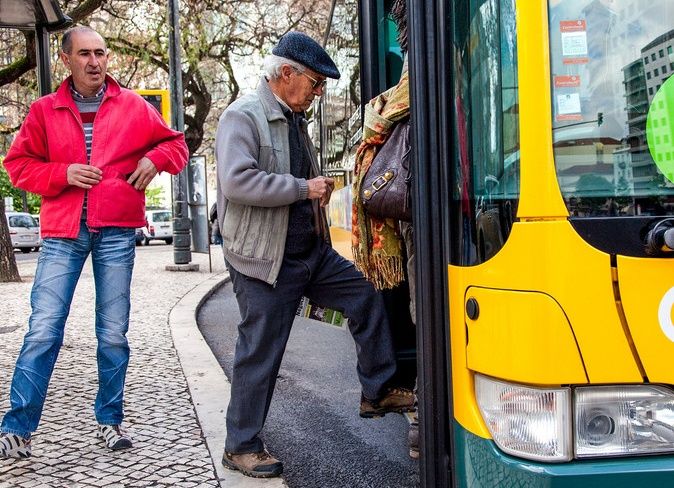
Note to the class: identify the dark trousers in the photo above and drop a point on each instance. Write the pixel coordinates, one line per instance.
(267, 315)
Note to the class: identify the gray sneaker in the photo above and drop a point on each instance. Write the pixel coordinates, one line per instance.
(115, 439)
(14, 446)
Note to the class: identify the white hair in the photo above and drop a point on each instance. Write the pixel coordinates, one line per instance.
(272, 66)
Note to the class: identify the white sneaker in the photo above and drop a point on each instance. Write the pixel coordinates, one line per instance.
(14, 446)
(114, 437)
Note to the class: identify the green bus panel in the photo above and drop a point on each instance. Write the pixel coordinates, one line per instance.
(480, 464)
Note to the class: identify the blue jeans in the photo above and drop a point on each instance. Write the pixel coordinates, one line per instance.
(267, 314)
(58, 269)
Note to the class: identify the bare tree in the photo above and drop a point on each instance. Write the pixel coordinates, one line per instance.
(219, 39)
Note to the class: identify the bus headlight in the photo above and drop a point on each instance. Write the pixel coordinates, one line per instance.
(532, 423)
(623, 420)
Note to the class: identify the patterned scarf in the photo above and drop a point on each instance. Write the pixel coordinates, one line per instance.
(377, 244)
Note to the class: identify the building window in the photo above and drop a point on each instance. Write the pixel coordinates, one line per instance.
(656, 72)
(650, 90)
(648, 75)
(664, 69)
(661, 53)
(646, 61)
(653, 57)
(669, 50)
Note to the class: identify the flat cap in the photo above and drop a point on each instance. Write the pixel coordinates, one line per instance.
(303, 49)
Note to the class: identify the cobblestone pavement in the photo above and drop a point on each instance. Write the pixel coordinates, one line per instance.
(169, 447)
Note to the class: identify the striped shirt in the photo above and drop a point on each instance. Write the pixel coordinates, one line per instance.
(88, 107)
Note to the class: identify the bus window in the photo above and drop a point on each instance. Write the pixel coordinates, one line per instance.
(487, 132)
(607, 72)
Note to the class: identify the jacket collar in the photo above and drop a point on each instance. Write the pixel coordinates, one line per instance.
(272, 108)
(65, 99)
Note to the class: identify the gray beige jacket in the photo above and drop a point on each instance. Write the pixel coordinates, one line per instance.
(255, 186)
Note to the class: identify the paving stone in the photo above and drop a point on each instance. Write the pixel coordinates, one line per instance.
(160, 416)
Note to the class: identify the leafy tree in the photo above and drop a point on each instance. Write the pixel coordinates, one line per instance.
(154, 196)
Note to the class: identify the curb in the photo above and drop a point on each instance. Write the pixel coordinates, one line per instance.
(209, 387)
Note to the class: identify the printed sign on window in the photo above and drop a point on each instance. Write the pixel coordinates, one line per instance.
(568, 107)
(574, 41)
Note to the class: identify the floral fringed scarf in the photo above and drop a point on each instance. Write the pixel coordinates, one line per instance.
(377, 244)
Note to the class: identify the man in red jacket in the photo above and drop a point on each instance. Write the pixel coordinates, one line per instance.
(89, 150)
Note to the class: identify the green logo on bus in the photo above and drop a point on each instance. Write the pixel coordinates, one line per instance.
(660, 129)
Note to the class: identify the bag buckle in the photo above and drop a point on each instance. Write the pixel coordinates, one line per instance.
(381, 180)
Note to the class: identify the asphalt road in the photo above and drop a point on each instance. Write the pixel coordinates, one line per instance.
(313, 425)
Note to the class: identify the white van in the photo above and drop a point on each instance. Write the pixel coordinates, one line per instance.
(158, 226)
(24, 231)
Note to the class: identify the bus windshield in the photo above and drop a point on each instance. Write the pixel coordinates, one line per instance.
(613, 105)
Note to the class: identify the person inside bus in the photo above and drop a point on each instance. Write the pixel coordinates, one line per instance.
(382, 247)
(271, 211)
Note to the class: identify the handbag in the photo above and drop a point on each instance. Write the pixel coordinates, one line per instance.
(385, 191)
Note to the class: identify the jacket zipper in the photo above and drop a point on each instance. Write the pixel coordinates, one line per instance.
(79, 121)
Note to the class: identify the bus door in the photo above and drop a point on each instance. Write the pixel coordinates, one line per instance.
(544, 209)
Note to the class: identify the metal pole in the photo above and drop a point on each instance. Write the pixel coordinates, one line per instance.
(43, 70)
(181, 221)
(43, 77)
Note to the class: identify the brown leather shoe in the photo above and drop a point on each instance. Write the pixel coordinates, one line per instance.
(396, 400)
(256, 464)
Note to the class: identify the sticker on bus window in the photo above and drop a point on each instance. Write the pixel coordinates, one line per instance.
(660, 129)
(574, 41)
(564, 81)
(568, 106)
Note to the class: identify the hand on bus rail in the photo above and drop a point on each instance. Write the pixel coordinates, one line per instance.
(320, 188)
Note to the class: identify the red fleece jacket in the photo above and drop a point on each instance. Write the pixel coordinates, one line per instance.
(51, 138)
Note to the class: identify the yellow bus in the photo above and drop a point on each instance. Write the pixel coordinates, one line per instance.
(543, 200)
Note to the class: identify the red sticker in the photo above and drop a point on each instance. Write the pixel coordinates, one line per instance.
(576, 60)
(565, 81)
(565, 117)
(572, 25)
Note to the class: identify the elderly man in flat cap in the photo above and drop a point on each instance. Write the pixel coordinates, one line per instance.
(271, 207)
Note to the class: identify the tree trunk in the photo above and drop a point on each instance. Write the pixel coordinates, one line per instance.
(8, 269)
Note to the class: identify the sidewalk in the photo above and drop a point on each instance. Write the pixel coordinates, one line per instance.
(172, 373)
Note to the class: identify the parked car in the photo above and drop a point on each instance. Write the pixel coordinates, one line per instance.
(140, 236)
(24, 231)
(158, 226)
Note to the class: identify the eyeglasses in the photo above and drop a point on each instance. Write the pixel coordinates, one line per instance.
(315, 84)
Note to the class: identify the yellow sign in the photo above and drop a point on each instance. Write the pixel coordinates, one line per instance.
(160, 100)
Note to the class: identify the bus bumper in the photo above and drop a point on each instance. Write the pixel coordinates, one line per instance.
(479, 463)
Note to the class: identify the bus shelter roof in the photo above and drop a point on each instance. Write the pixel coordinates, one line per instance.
(32, 14)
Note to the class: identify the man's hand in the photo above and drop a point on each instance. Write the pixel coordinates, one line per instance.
(83, 175)
(320, 187)
(143, 175)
